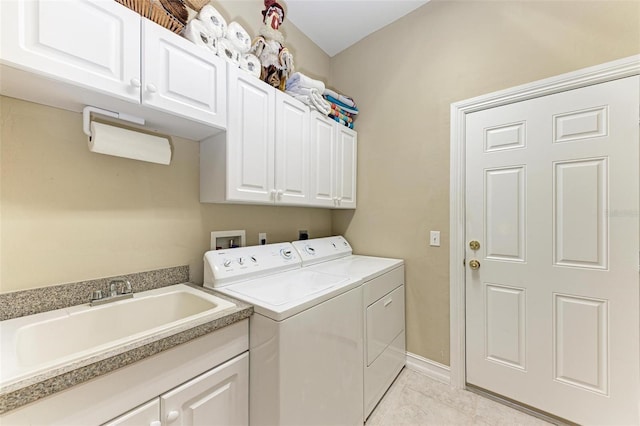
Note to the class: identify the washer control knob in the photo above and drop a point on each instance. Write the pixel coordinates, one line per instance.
(253, 259)
(310, 250)
(227, 263)
(241, 260)
(286, 253)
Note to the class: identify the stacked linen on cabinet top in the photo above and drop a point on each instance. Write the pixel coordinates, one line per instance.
(343, 108)
(309, 91)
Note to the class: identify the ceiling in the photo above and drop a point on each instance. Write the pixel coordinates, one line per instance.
(336, 25)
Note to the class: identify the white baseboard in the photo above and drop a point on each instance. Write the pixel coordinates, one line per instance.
(429, 368)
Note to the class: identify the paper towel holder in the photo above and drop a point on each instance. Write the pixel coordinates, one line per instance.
(86, 117)
(139, 145)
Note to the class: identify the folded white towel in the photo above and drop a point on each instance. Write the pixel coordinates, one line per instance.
(214, 21)
(314, 99)
(298, 79)
(238, 37)
(199, 34)
(227, 51)
(342, 98)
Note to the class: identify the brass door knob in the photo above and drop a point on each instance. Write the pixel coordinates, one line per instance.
(474, 264)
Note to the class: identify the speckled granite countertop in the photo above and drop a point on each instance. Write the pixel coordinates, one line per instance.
(46, 383)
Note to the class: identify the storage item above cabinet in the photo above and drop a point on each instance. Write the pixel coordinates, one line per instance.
(69, 54)
(274, 153)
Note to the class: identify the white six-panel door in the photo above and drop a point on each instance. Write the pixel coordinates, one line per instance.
(552, 312)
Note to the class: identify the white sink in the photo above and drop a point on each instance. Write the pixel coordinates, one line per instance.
(65, 337)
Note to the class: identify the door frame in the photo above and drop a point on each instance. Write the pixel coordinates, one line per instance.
(614, 70)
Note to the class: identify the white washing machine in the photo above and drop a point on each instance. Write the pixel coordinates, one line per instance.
(305, 337)
(383, 303)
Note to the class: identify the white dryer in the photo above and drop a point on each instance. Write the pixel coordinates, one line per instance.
(305, 337)
(383, 307)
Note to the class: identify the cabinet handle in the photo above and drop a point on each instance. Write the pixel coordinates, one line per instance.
(279, 194)
(388, 302)
(172, 416)
(272, 195)
(135, 82)
(151, 88)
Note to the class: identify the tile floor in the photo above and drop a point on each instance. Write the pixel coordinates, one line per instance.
(415, 399)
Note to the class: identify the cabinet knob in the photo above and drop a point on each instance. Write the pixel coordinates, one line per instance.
(135, 82)
(172, 416)
(279, 194)
(151, 88)
(272, 194)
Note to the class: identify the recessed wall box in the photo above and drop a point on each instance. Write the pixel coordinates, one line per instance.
(227, 239)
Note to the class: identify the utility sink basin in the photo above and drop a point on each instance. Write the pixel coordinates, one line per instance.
(67, 337)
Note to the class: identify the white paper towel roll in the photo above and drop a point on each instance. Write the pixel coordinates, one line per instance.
(110, 140)
(197, 33)
(251, 64)
(227, 51)
(238, 37)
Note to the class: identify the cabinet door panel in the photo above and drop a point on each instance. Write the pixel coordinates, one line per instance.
(182, 78)
(347, 141)
(218, 397)
(144, 415)
(291, 150)
(93, 44)
(250, 138)
(322, 160)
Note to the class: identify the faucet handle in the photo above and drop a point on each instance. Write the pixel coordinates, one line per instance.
(96, 295)
(127, 288)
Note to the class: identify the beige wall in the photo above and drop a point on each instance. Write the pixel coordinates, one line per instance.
(404, 78)
(68, 215)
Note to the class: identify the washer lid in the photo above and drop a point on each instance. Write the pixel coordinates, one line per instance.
(282, 295)
(357, 266)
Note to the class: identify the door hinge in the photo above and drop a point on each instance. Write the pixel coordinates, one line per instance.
(464, 262)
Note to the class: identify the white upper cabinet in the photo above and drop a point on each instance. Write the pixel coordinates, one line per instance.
(264, 156)
(292, 151)
(346, 167)
(250, 139)
(333, 163)
(69, 54)
(88, 43)
(322, 161)
(181, 77)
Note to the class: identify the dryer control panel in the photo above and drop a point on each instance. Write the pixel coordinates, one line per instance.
(320, 250)
(224, 267)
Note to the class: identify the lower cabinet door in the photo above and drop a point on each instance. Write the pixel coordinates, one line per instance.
(144, 415)
(217, 397)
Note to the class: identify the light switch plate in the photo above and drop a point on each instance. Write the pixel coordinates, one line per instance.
(434, 238)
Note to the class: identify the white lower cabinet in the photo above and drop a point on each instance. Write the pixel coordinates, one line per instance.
(145, 415)
(333, 163)
(217, 397)
(204, 381)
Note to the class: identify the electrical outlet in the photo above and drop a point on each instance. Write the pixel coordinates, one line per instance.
(303, 234)
(434, 239)
(262, 238)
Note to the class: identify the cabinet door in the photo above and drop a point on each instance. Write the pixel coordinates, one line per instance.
(145, 415)
(92, 44)
(250, 138)
(291, 150)
(218, 397)
(346, 166)
(182, 78)
(322, 161)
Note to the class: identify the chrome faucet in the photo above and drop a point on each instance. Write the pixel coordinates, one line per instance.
(118, 289)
